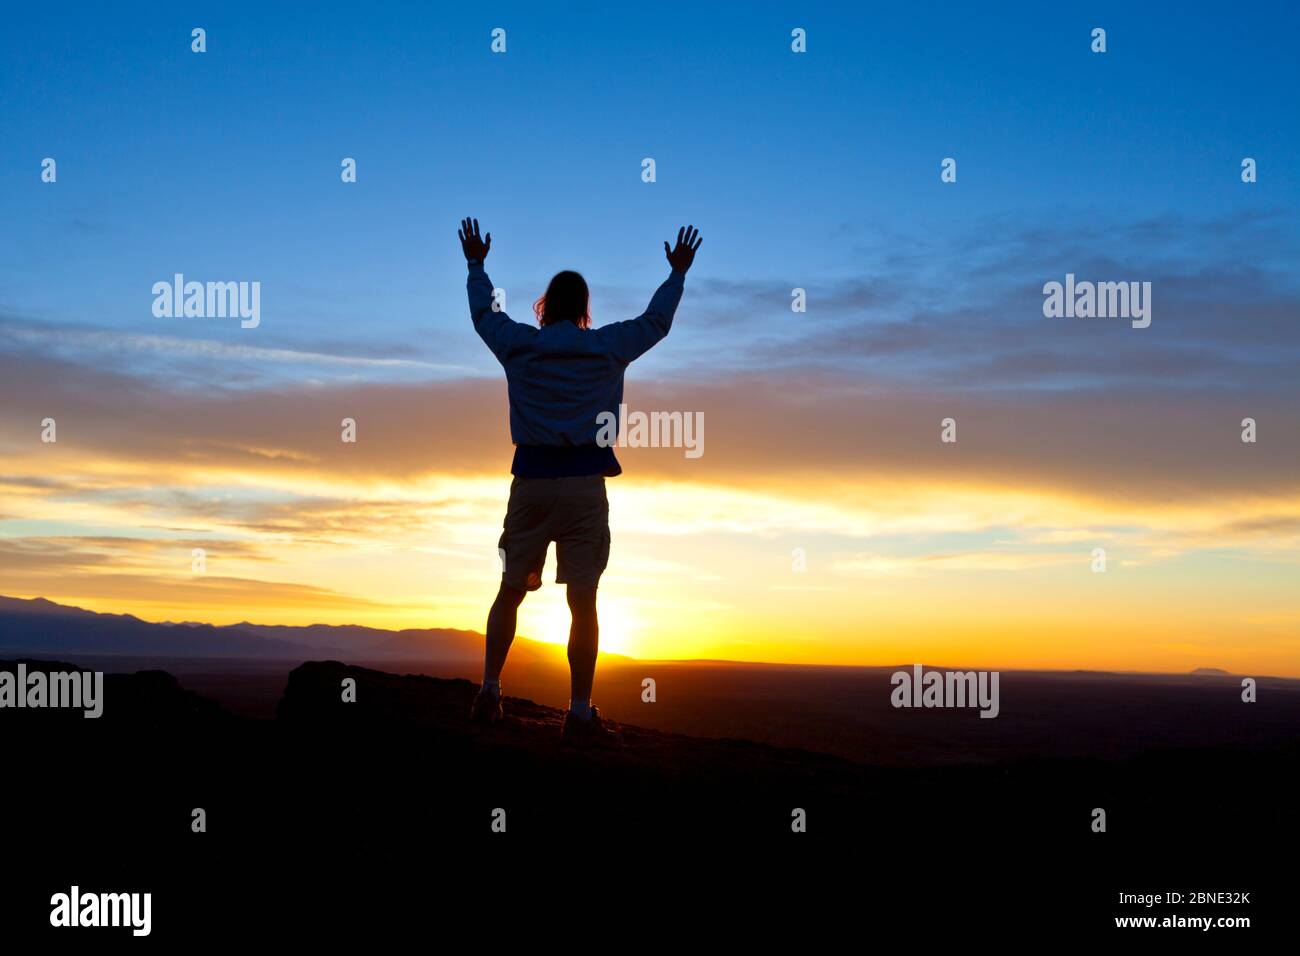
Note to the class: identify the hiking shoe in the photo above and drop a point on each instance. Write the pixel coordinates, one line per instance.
(486, 708)
(586, 734)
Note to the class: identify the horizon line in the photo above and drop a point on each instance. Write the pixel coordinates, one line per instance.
(673, 660)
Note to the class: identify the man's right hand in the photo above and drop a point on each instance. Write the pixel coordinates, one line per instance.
(688, 240)
(471, 243)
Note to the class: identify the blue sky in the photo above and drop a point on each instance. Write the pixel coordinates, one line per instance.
(818, 170)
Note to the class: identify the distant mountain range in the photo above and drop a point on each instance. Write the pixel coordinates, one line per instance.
(41, 627)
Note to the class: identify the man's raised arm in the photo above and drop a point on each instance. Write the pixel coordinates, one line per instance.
(496, 329)
(632, 338)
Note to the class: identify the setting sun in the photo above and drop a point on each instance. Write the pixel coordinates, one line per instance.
(544, 616)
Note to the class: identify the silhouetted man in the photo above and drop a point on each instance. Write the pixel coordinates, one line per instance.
(561, 376)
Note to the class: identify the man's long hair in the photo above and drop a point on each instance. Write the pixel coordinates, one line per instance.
(567, 299)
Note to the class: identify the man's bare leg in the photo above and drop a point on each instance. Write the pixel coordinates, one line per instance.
(584, 644)
(501, 632)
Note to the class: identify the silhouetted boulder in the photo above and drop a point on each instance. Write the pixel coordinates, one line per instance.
(149, 699)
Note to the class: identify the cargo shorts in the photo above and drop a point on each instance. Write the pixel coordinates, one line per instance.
(572, 512)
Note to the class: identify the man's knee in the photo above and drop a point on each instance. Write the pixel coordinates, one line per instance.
(510, 596)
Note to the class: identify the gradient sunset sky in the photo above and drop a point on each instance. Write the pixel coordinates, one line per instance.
(818, 171)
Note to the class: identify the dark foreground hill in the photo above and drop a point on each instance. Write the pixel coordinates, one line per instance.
(404, 753)
(398, 782)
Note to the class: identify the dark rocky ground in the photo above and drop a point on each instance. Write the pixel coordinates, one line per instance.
(392, 797)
